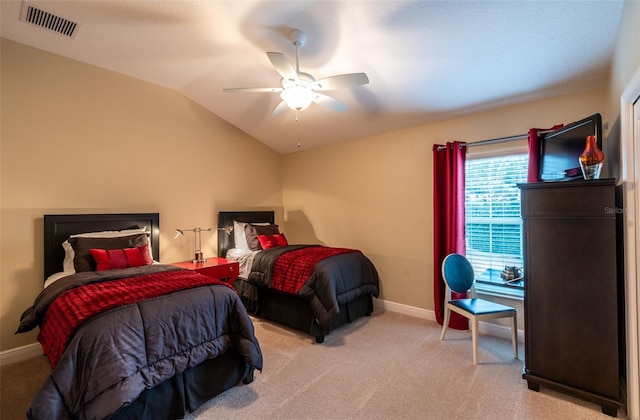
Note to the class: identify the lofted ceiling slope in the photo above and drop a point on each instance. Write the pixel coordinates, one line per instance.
(426, 60)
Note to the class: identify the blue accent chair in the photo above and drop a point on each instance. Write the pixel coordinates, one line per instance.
(459, 277)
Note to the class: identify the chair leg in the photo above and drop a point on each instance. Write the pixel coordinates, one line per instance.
(474, 339)
(514, 334)
(445, 322)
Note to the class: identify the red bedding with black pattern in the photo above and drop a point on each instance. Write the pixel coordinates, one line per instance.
(72, 308)
(326, 277)
(136, 328)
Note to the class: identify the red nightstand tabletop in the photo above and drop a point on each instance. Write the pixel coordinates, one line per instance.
(217, 267)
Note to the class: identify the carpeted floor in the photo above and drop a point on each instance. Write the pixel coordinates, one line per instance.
(385, 366)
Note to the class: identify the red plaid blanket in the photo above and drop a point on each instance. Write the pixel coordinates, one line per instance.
(73, 307)
(293, 268)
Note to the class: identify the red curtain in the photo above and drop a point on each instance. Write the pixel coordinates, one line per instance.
(448, 219)
(533, 171)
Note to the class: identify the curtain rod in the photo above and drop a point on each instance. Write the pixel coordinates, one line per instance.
(498, 140)
(489, 141)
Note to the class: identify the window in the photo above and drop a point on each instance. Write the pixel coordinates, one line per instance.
(493, 223)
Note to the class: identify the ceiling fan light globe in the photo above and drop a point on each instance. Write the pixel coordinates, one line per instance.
(298, 97)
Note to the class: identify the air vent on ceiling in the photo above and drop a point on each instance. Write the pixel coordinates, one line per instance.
(48, 21)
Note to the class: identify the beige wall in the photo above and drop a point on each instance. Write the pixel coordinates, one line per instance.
(625, 64)
(76, 138)
(61, 120)
(375, 193)
(626, 57)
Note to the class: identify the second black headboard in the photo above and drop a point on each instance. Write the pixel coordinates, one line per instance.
(226, 219)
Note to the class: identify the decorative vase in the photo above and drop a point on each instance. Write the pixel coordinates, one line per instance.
(591, 159)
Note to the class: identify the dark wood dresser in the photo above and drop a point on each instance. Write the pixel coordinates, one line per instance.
(574, 301)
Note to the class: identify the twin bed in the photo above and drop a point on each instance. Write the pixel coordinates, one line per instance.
(339, 290)
(165, 340)
(130, 338)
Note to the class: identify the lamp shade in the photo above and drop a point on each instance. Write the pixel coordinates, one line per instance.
(298, 97)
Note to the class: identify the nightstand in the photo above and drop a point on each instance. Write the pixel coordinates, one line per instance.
(217, 267)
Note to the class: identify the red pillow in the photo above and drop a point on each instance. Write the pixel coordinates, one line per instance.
(109, 259)
(271, 241)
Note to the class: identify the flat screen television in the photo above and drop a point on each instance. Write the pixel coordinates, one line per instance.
(560, 149)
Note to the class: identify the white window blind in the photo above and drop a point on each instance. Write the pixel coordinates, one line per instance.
(493, 223)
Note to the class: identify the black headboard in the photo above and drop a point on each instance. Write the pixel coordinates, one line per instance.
(225, 221)
(58, 228)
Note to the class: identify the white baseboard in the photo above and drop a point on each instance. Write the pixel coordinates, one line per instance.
(488, 328)
(18, 354)
(400, 308)
(32, 350)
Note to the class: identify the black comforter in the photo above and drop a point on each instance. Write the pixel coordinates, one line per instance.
(334, 281)
(113, 357)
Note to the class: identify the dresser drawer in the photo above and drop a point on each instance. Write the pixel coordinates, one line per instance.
(570, 199)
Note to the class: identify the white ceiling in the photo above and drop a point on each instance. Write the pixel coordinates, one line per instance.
(426, 60)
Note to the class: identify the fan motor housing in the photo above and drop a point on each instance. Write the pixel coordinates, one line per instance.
(304, 79)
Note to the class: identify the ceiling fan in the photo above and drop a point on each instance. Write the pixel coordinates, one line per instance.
(300, 89)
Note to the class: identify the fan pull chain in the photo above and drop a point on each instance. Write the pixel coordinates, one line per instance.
(298, 125)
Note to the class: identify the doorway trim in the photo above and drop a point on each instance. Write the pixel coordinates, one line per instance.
(630, 177)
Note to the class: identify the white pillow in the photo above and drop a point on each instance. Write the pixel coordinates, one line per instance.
(52, 278)
(238, 234)
(69, 254)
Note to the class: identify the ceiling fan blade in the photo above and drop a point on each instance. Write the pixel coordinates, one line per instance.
(283, 66)
(340, 81)
(275, 89)
(330, 103)
(282, 106)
